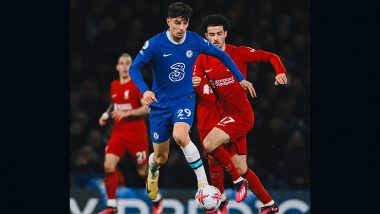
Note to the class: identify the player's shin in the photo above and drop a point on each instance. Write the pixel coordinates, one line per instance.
(153, 167)
(110, 181)
(257, 188)
(223, 158)
(195, 161)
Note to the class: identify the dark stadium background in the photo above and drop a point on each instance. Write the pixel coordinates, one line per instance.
(279, 144)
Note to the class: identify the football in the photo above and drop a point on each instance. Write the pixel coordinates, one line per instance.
(208, 197)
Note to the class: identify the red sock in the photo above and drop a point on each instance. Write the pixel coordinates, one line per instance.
(216, 174)
(256, 187)
(224, 159)
(110, 181)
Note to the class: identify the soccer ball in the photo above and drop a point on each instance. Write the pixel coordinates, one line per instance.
(208, 197)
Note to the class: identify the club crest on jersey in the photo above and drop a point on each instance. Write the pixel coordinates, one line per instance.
(146, 44)
(155, 135)
(126, 94)
(178, 72)
(189, 53)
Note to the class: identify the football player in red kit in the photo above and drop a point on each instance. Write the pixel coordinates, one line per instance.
(129, 133)
(211, 110)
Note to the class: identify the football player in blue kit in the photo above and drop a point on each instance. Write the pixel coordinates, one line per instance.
(172, 54)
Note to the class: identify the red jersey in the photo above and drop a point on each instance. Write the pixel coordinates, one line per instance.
(227, 89)
(241, 56)
(207, 112)
(127, 96)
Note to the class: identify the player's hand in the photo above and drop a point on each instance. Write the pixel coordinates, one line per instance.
(103, 119)
(247, 86)
(196, 81)
(119, 115)
(149, 97)
(280, 79)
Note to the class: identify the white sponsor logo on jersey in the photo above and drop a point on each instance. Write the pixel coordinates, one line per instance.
(178, 72)
(225, 81)
(126, 106)
(165, 55)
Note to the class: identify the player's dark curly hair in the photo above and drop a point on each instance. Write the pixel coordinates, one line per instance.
(215, 20)
(180, 9)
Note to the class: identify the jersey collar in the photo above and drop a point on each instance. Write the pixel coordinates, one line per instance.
(174, 42)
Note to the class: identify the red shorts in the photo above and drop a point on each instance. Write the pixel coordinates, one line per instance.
(136, 147)
(237, 125)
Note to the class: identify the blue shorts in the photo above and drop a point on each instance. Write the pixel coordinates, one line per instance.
(162, 120)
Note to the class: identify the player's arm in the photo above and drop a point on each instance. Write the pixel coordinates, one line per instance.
(104, 117)
(198, 72)
(252, 55)
(143, 57)
(140, 111)
(210, 49)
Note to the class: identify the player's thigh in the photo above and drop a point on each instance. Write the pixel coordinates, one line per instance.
(160, 122)
(215, 138)
(116, 145)
(137, 148)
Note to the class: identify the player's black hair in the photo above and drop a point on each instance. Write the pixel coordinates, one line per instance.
(215, 20)
(180, 9)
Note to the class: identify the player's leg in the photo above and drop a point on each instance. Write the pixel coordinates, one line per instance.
(158, 158)
(114, 151)
(217, 180)
(182, 117)
(160, 131)
(254, 183)
(191, 152)
(212, 144)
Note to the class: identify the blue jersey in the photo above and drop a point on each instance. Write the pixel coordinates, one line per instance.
(172, 64)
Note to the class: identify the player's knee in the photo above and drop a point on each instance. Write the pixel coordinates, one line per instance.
(181, 139)
(242, 169)
(208, 146)
(109, 167)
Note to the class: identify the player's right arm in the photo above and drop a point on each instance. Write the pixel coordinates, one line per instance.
(143, 57)
(104, 117)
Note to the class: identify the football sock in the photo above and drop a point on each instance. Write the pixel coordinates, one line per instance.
(270, 203)
(216, 174)
(111, 203)
(256, 187)
(195, 161)
(153, 167)
(224, 159)
(110, 182)
(158, 198)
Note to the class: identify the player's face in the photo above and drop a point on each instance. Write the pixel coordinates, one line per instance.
(123, 66)
(177, 27)
(216, 35)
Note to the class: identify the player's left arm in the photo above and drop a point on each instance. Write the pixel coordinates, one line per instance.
(253, 55)
(140, 111)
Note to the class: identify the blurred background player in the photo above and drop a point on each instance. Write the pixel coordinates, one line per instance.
(216, 28)
(129, 133)
(172, 54)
